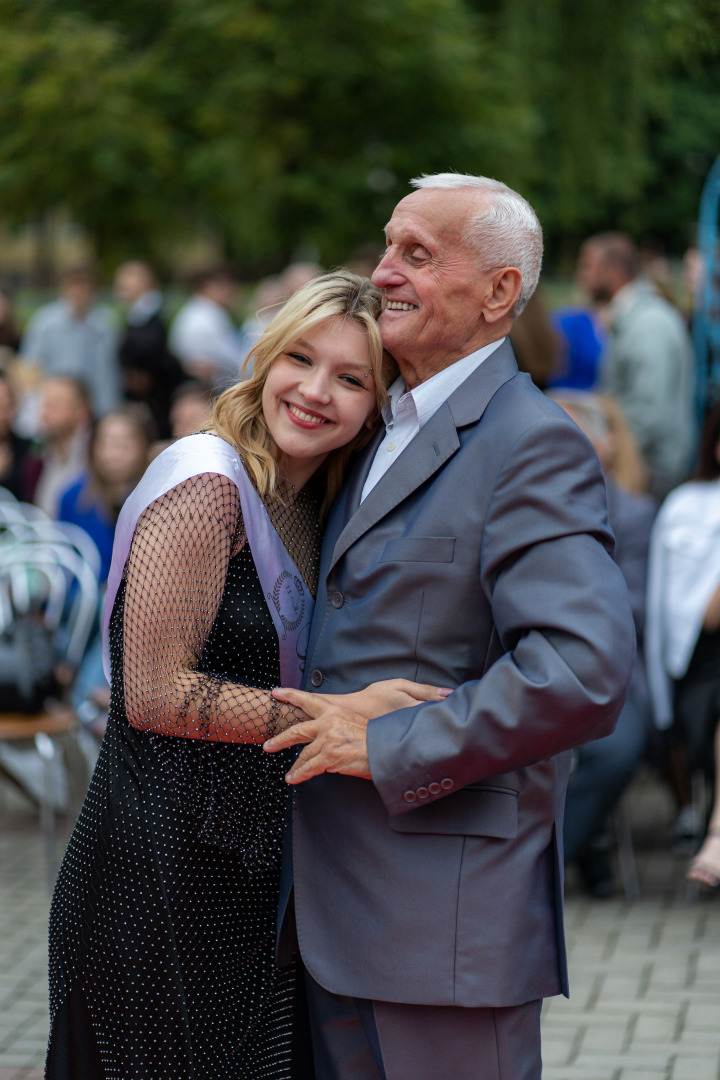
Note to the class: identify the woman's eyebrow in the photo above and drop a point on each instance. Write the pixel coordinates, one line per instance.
(356, 365)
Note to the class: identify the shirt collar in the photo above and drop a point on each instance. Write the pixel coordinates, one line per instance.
(145, 307)
(428, 396)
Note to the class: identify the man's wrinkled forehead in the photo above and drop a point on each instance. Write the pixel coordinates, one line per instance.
(438, 214)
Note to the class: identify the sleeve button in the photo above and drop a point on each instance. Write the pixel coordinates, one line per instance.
(447, 784)
(434, 788)
(422, 793)
(410, 797)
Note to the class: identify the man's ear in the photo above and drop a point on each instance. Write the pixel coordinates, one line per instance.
(506, 288)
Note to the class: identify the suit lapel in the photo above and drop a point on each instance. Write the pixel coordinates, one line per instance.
(434, 444)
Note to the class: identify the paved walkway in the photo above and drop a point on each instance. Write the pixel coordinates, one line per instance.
(645, 977)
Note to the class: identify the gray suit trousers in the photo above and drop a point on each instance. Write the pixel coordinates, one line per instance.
(356, 1039)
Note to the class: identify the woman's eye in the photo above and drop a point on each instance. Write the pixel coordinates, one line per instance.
(351, 381)
(299, 357)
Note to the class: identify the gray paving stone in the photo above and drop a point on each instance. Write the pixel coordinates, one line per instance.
(696, 1069)
(645, 977)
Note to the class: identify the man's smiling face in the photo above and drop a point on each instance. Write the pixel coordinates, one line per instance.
(434, 290)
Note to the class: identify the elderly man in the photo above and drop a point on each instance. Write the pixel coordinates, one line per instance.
(470, 550)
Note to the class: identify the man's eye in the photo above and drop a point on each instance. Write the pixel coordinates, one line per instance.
(418, 255)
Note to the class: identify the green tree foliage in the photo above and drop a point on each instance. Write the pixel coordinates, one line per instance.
(275, 126)
(73, 129)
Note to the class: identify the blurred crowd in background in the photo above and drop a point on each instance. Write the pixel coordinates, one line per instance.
(92, 388)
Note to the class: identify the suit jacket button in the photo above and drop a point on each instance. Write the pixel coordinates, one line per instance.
(422, 793)
(316, 677)
(434, 788)
(337, 599)
(447, 784)
(410, 796)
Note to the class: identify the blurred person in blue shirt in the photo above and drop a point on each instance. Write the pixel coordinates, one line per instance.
(76, 337)
(118, 457)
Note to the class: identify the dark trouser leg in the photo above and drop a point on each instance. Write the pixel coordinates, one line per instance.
(343, 1035)
(426, 1042)
(604, 769)
(363, 1040)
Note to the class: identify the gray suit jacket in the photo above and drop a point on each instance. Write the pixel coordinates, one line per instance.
(481, 561)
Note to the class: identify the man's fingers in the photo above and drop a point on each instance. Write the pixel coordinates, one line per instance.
(309, 703)
(308, 764)
(292, 736)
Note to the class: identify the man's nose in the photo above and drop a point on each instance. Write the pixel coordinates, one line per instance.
(388, 271)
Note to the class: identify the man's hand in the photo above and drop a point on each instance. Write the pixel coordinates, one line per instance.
(336, 738)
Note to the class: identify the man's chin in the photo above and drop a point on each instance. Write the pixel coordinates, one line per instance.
(395, 328)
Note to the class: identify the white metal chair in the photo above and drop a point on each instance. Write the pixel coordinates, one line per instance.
(49, 570)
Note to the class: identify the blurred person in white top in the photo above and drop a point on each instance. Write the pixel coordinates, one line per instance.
(203, 335)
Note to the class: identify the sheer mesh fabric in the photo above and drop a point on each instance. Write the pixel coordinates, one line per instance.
(175, 578)
(163, 918)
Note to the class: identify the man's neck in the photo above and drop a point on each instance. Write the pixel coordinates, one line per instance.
(416, 371)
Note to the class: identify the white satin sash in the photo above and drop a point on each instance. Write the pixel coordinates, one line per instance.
(288, 600)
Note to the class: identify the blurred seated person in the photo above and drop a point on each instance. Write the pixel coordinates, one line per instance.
(272, 293)
(76, 337)
(118, 456)
(683, 640)
(190, 409)
(192, 404)
(535, 342)
(604, 768)
(149, 371)
(624, 463)
(64, 437)
(203, 336)
(13, 448)
(269, 296)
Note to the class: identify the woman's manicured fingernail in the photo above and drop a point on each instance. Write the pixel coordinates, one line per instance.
(444, 691)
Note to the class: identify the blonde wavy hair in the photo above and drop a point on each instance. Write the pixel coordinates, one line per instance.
(238, 414)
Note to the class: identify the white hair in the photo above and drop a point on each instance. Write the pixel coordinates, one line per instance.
(507, 233)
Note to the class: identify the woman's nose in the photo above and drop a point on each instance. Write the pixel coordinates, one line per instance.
(316, 385)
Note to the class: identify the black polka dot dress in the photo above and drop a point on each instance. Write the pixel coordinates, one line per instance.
(162, 927)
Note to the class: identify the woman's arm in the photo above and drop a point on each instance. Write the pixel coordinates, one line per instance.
(175, 578)
(383, 697)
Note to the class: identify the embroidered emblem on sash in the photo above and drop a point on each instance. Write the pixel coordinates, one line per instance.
(288, 596)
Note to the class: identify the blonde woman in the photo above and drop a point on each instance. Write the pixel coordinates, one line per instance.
(162, 926)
